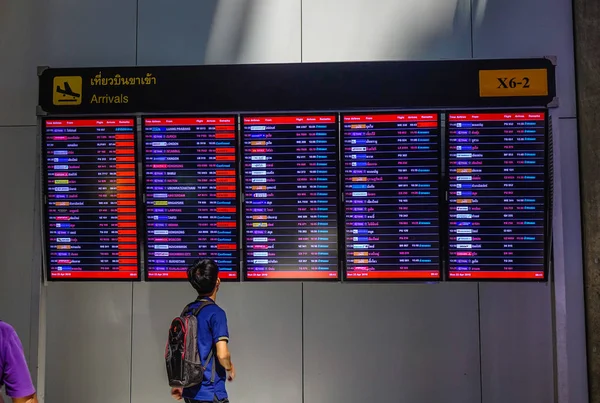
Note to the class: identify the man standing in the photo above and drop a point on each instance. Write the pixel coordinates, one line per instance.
(14, 374)
(203, 275)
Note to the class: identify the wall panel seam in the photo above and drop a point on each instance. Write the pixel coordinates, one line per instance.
(301, 61)
(302, 336)
(131, 342)
(16, 126)
(137, 29)
(479, 337)
(471, 3)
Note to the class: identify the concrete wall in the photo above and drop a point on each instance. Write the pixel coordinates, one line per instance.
(291, 342)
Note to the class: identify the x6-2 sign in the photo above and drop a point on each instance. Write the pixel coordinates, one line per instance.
(513, 83)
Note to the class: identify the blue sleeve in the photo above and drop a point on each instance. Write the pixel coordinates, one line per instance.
(218, 325)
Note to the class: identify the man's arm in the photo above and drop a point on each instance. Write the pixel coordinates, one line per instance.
(224, 355)
(17, 379)
(29, 399)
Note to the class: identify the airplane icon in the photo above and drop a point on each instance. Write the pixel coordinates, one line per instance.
(67, 92)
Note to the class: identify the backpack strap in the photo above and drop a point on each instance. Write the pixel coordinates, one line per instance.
(203, 303)
(214, 364)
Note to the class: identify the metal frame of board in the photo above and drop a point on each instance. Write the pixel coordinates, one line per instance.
(315, 88)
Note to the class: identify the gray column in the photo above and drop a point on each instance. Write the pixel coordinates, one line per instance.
(587, 59)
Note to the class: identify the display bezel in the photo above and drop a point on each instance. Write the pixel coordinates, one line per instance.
(547, 219)
(45, 193)
(143, 189)
(242, 187)
(443, 120)
(441, 195)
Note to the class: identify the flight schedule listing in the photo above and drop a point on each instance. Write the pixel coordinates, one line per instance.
(392, 196)
(497, 195)
(291, 197)
(90, 187)
(190, 170)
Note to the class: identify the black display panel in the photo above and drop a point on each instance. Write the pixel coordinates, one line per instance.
(190, 178)
(90, 199)
(392, 196)
(291, 197)
(497, 195)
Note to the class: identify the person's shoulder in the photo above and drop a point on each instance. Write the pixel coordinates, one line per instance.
(214, 308)
(8, 335)
(6, 330)
(211, 310)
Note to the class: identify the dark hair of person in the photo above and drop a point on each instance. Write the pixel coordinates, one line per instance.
(203, 275)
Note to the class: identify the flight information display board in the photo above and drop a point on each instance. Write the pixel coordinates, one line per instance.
(392, 196)
(190, 175)
(90, 189)
(291, 197)
(497, 195)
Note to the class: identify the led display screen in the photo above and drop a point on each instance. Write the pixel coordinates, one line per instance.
(190, 175)
(392, 196)
(497, 195)
(90, 199)
(291, 197)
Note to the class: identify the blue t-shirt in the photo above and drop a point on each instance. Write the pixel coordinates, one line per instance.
(212, 328)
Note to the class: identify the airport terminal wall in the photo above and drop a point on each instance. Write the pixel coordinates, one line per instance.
(293, 342)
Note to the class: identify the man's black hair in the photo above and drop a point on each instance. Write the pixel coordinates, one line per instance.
(203, 275)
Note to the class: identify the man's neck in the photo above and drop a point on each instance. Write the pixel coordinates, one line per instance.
(212, 296)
